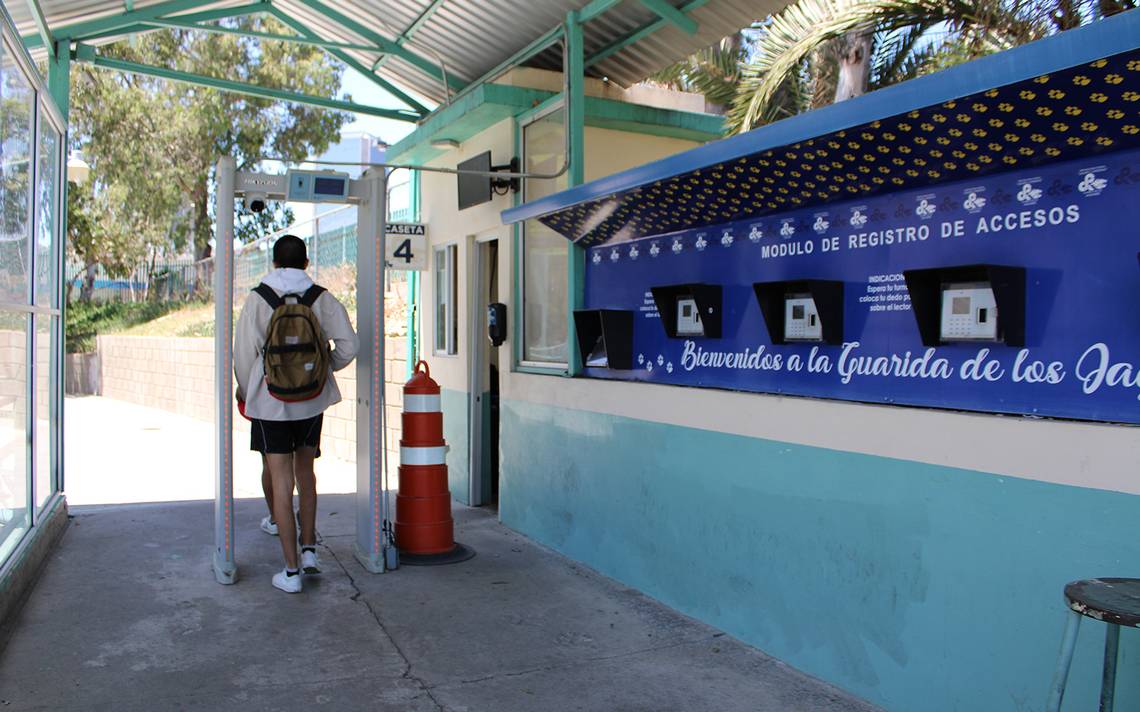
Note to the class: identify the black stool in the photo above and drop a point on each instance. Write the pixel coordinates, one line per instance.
(1113, 601)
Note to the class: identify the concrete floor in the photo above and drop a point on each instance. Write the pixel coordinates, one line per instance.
(127, 616)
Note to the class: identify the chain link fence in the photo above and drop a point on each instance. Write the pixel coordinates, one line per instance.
(330, 238)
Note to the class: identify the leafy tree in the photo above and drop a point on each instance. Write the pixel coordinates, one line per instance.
(152, 144)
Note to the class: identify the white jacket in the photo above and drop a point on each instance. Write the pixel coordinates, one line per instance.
(249, 341)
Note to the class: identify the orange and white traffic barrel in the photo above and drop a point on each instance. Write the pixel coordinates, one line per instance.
(424, 526)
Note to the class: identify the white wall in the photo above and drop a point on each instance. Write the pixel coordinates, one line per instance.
(445, 224)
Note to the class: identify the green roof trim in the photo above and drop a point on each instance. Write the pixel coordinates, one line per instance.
(475, 111)
(637, 118)
(489, 104)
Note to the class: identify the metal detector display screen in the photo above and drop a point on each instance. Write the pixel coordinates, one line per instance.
(330, 186)
(474, 189)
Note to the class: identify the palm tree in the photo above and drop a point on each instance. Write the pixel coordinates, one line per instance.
(713, 71)
(816, 52)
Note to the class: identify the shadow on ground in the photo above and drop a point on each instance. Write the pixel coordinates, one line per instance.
(127, 616)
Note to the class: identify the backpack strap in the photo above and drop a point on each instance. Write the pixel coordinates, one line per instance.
(268, 295)
(309, 298)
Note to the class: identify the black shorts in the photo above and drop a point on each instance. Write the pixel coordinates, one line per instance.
(284, 437)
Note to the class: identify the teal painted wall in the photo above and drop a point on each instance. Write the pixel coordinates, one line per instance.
(455, 429)
(914, 586)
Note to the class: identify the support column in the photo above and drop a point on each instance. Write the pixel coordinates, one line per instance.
(575, 112)
(372, 543)
(225, 566)
(59, 87)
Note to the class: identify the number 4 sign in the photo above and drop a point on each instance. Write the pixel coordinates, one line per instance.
(405, 246)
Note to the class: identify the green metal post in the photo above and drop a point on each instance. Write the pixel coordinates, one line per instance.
(414, 286)
(59, 83)
(59, 87)
(576, 126)
(413, 303)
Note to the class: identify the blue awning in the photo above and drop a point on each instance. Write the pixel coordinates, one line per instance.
(1068, 96)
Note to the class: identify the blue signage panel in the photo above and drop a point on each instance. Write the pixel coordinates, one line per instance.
(1073, 227)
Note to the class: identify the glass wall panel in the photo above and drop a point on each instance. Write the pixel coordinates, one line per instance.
(544, 251)
(17, 113)
(47, 209)
(45, 407)
(14, 519)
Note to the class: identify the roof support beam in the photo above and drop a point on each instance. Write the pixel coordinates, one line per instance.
(131, 22)
(412, 29)
(83, 30)
(383, 44)
(223, 13)
(672, 15)
(595, 8)
(218, 29)
(640, 34)
(204, 16)
(41, 26)
(88, 54)
(515, 59)
(345, 57)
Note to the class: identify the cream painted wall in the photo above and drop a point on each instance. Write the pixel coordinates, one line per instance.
(1093, 455)
(609, 151)
(445, 224)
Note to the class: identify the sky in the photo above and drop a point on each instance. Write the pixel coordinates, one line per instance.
(364, 91)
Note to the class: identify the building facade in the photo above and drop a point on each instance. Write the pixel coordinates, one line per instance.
(898, 520)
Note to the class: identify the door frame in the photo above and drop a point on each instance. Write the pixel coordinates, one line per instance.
(479, 348)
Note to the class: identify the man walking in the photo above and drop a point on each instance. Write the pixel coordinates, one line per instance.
(284, 370)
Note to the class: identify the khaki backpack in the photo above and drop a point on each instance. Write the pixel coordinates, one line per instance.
(296, 354)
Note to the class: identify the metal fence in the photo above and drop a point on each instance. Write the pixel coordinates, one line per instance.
(330, 238)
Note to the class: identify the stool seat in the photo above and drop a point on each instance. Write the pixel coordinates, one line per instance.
(1112, 600)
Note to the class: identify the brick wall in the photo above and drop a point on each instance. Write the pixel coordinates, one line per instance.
(177, 374)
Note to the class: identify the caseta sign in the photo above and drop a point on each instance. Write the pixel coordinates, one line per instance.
(1072, 227)
(405, 246)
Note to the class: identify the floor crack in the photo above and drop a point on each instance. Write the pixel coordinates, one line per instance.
(359, 597)
(585, 661)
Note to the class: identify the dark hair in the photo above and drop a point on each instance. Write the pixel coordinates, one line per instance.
(289, 251)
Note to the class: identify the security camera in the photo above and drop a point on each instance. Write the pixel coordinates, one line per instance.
(255, 202)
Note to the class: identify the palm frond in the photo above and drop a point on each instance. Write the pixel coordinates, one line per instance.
(791, 37)
(891, 50)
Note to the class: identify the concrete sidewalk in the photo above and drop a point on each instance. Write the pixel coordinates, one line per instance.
(127, 616)
(118, 452)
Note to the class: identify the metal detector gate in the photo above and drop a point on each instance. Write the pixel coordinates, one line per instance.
(373, 547)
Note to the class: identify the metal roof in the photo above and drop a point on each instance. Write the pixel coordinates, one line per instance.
(1069, 96)
(626, 43)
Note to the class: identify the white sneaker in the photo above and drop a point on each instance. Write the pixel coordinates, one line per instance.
(309, 563)
(268, 526)
(287, 583)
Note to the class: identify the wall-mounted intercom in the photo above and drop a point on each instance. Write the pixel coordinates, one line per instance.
(605, 338)
(689, 310)
(689, 318)
(497, 323)
(802, 310)
(969, 312)
(968, 303)
(801, 319)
